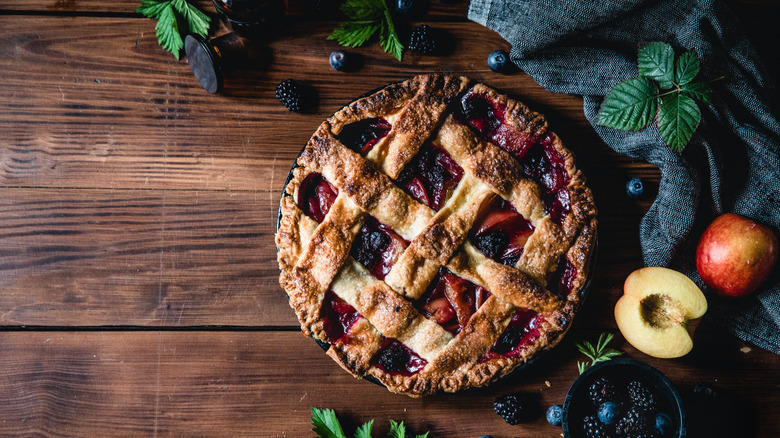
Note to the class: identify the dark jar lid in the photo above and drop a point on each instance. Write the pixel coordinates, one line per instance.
(211, 59)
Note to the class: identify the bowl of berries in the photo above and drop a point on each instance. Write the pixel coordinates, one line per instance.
(623, 398)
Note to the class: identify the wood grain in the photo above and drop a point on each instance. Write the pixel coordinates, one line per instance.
(259, 384)
(112, 110)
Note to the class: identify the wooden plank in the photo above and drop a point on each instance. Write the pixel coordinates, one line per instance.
(110, 109)
(264, 383)
(90, 257)
(436, 10)
(165, 258)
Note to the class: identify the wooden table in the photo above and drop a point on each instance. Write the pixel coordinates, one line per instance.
(138, 278)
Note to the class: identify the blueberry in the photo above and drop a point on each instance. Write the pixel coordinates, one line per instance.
(664, 424)
(608, 412)
(635, 188)
(498, 61)
(704, 389)
(338, 60)
(555, 415)
(404, 7)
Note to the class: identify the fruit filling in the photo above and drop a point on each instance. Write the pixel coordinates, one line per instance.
(394, 357)
(451, 300)
(522, 331)
(315, 196)
(377, 247)
(546, 167)
(541, 162)
(361, 136)
(337, 317)
(561, 280)
(487, 118)
(500, 232)
(431, 176)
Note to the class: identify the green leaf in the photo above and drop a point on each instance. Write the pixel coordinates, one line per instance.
(678, 118)
(168, 32)
(656, 61)
(699, 91)
(152, 8)
(397, 430)
(425, 435)
(582, 366)
(631, 104)
(325, 423)
(686, 67)
(364, 431)
(354, 33)
(361, 10)
(197, 21)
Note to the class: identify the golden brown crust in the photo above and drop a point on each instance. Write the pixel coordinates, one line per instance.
(314, 258)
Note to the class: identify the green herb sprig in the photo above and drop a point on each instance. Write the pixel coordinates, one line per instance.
(599, 353)
(174, 19)
(326, 425)
(664, 91)
(367, 17)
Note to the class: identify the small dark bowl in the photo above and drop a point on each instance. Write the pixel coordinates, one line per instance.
(621, 372)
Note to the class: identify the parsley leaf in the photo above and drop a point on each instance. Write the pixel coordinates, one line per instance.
(364, 431)
(397, 430)
(367, 17)
(325, 423)
(665, 91)
(599, 353)
(174, 19)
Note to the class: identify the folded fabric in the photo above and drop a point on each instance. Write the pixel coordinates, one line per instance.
(732, 163)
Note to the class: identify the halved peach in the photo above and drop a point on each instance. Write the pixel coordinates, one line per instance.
(656, 311)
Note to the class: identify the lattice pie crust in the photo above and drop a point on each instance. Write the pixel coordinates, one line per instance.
(435, 235)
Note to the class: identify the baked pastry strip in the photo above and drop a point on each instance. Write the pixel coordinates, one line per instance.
(373, 191)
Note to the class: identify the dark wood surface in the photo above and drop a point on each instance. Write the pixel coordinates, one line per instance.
(138, 280)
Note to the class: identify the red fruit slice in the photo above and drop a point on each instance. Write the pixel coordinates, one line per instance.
(500, 232)
(451, 301)
(338, 317)
(315, 196)
(522, 331)
(361, 136)
(431, 176)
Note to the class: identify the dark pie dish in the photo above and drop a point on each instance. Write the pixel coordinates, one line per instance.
(621, 372)
(435, 236)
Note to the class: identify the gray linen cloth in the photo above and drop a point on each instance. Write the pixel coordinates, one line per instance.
(731, 164)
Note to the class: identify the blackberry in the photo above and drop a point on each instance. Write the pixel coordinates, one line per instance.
(392, 359)
(516, 408)
(640, 396)
(422, 40)
(601, 391)
(633, 422)
(404, 7)
(290, 94)
(593, 427)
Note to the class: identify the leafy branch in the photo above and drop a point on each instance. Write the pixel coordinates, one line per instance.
(599, 353)
(367, 17)
(326, 425)
(174, 19)
(664, 91)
